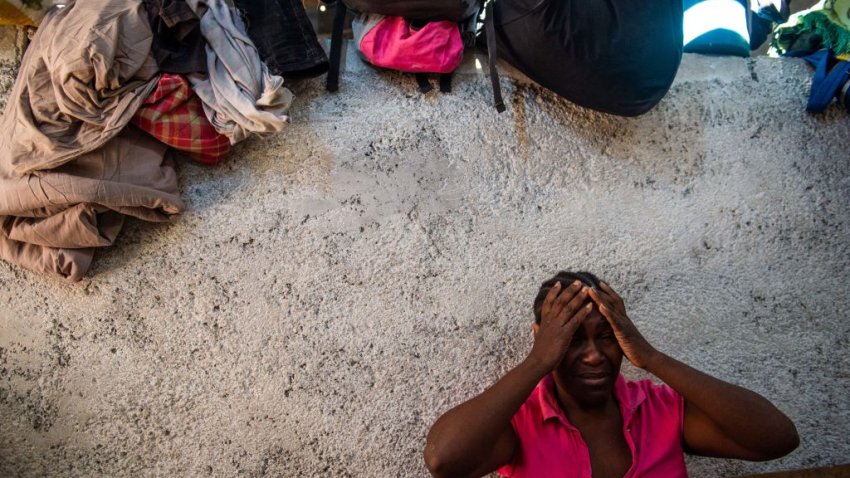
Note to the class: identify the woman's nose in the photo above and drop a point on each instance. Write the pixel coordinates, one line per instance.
(591, 354)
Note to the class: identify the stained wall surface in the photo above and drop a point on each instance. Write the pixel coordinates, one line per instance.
(332, 289)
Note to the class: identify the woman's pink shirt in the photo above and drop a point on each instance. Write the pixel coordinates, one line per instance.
(550, 446)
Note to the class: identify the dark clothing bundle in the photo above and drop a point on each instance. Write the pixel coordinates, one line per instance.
(284, 37)
(280, 30)
(178, 45)
(614, 56)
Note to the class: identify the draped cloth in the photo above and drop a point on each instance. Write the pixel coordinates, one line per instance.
(241, 97)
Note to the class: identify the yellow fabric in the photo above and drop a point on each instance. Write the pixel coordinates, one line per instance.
(12, 15)
(17, 12)
(841, 9)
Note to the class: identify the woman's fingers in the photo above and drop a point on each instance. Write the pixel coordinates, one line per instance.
(617, 300)
(606, 312)
(562, 303)
(599, 297)
(605, 307)
(546, 309)
(564, 298)
(574, 305)
(578, 318)
(607, 289)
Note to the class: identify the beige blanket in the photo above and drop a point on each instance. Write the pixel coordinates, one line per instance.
(82, 78)
(70, 167)
(54, 219)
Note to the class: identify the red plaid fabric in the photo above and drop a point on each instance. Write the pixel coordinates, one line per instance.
(173, 114)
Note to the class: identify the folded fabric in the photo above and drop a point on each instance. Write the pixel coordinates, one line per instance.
(174, 115)
(25, 12)
(284, 37)
(178, 45)
(52, 221)
(69, 264)
(240, 96)
(82, 78)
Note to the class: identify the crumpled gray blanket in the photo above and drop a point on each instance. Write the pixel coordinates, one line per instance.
(240, 96)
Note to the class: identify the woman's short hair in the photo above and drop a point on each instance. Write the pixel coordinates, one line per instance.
(565, 278)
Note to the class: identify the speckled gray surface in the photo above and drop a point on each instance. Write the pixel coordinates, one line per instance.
(331, 290)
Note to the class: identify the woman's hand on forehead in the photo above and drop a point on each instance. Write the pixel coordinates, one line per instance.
(635, 347)
(563, 310)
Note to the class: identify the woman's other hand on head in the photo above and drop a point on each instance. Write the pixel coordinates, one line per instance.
(562, 312)
(635, 347)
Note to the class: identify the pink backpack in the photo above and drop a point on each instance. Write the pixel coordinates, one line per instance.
(413, 37)
(395, 43)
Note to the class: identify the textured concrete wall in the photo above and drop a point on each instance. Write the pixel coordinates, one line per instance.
(332, 289)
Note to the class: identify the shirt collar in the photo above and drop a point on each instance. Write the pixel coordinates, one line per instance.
(628, 397)
(548, 401)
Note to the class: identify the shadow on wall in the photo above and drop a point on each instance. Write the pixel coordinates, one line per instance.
(639, 141)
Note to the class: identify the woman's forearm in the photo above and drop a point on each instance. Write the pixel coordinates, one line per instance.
(476, 437)
(744, 416)
(465, 437)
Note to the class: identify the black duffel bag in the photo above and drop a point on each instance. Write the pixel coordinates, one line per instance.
(614, 56)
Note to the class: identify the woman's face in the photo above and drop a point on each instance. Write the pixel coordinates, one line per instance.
(592, 362)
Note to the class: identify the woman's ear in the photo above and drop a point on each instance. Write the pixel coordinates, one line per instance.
(535, 327)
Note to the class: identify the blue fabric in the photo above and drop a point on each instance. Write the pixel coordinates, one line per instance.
(827, 81)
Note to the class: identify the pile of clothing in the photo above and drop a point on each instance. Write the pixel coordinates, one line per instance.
(821, 36)
(826, 25)
(106, 91)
